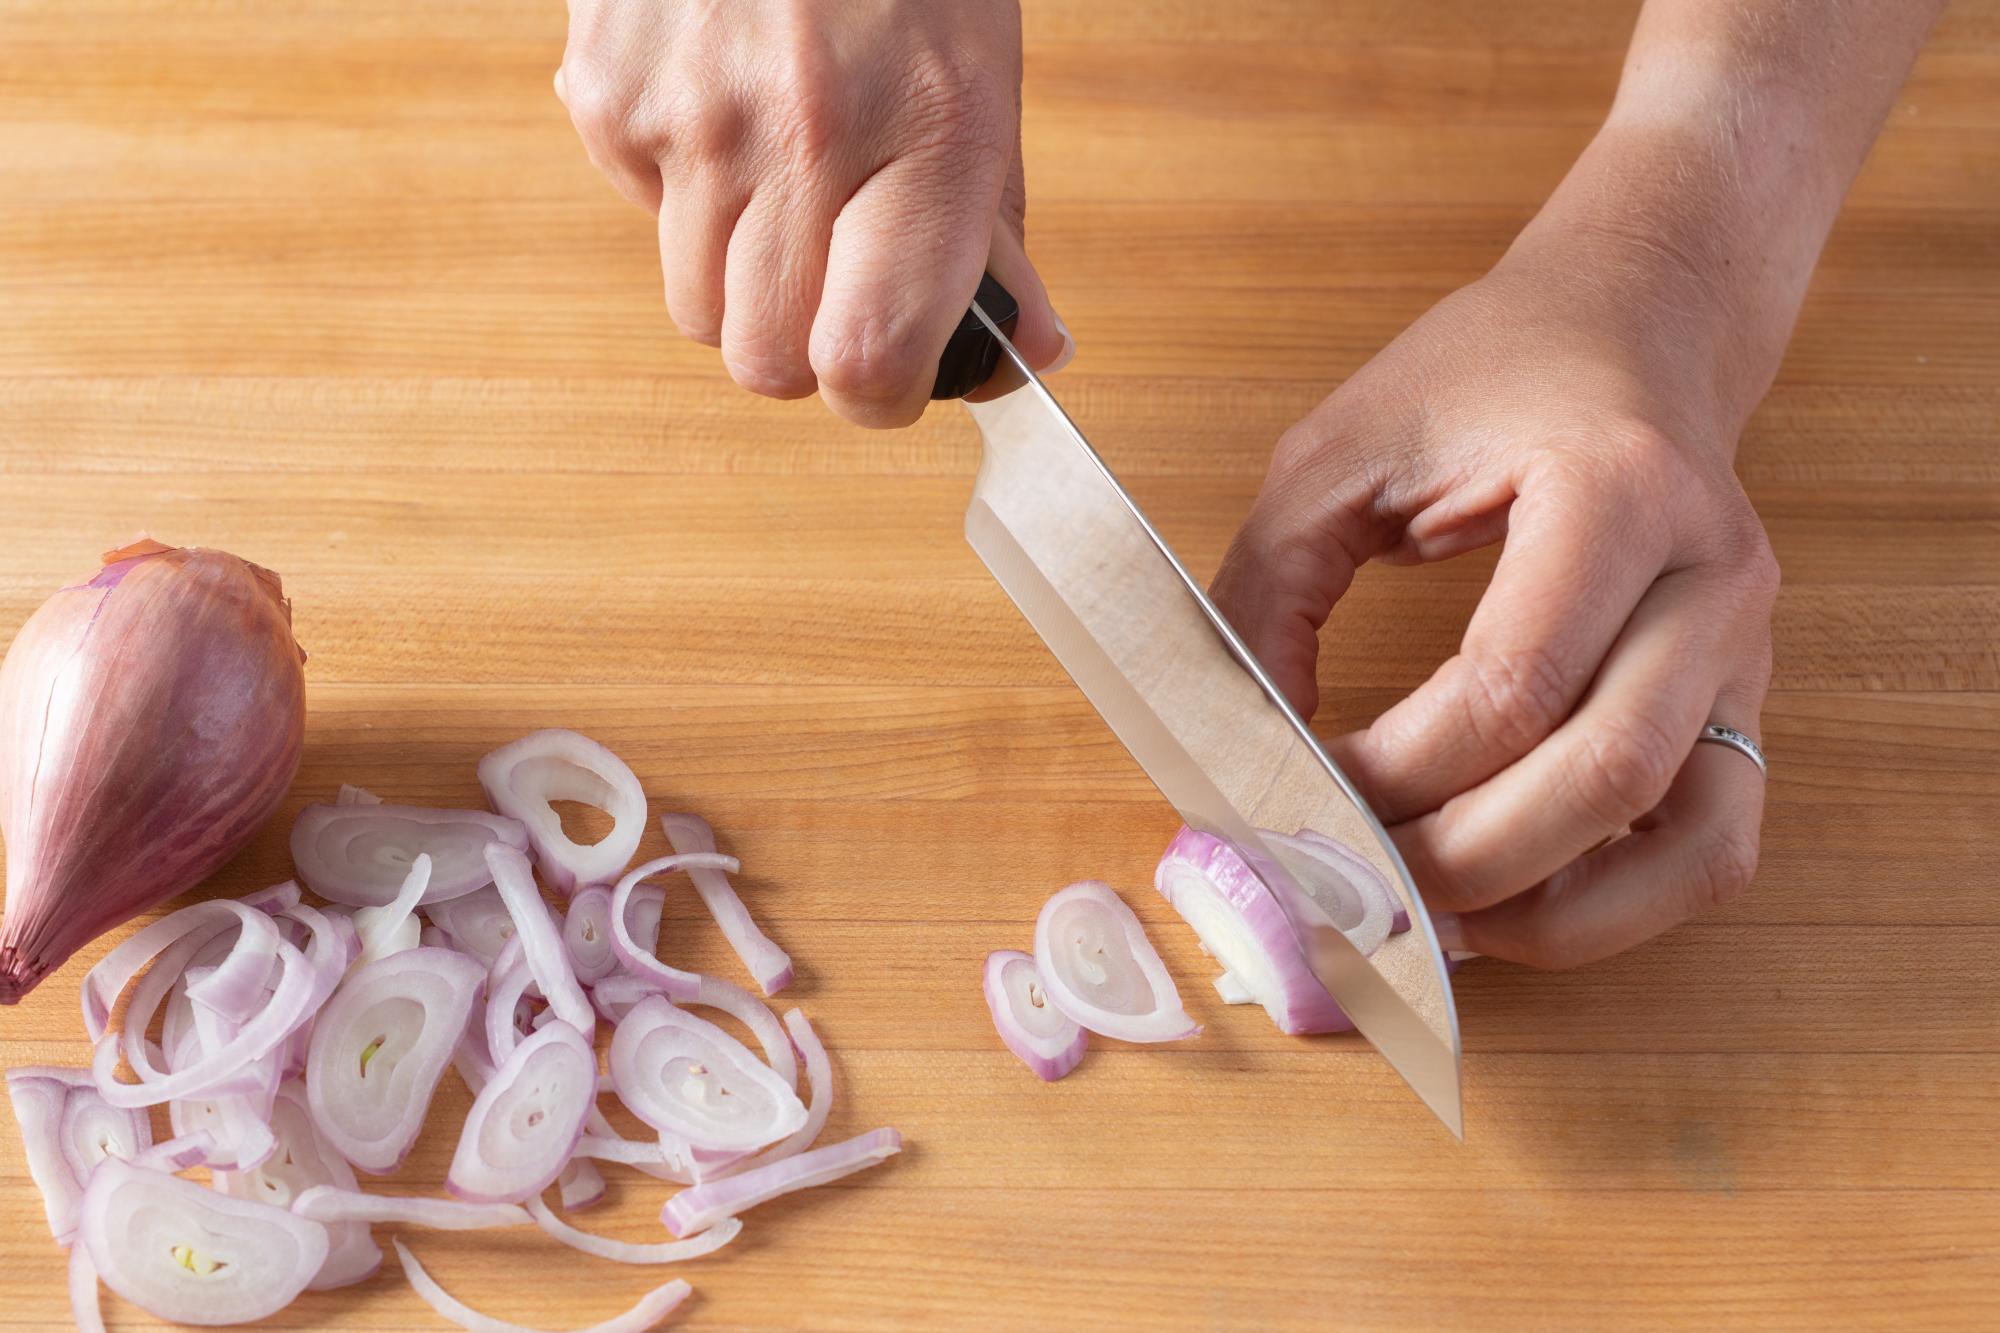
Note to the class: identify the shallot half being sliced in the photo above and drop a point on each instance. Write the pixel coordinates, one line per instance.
(380, 1047)
(1046, 1039)
(521, 780)
(1102, 971)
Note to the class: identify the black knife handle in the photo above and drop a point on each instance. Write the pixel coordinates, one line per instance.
(971, 354)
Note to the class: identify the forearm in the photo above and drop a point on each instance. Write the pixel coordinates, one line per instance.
(1737, 129)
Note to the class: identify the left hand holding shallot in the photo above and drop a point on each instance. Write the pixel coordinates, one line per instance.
(151, 719)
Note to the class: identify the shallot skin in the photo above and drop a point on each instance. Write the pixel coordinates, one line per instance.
(150, 722)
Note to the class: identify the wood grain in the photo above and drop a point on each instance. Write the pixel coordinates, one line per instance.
(329, 283)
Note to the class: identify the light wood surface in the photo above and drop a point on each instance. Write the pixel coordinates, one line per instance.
(329, 283)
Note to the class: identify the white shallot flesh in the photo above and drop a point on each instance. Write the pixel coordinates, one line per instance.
(1354, 867)
(580, 1186)
(651, 1308)
(1342, 889)
(66, 1130)
(701, 1089)
(329, 1203)
(701, 1206)
(634, 1252)
(1048, 1041)
(193, 1255)
(522, 779)
(394, 926)
(769, 966)
(642, 962)
(540, 937)
(586, 935)
(304, 1159)
(1242, 924)
(1102, 971)
(360, 854)
(525, 1122)
(478, 924)
(380, 1047)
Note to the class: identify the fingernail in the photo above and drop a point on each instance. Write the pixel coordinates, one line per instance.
(1068, 352)
(1450, 935)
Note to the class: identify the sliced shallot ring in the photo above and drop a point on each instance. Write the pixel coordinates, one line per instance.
(360, 854)
(394, 927)
(301, 989)
(699, 1087)
(581, 1185)
(66, 1129)
(186, 1253)
(505, 990)
(540, 937)
(752, 1013)
(587, 935)
(674, 983)
(1102, 971)
(328, 1203)
(85, 1312)
(769, 966)
(651, 1308)
(105, 982)
(819, 1073)
(352, 795)
(525, 1122)
(555, 765)
(702, 1206)
(629, 1252)
(235, 987)
(1242, 924)
(1046, 1040)
(366, 1032)
(479, 923)
(614, 996)
(305, 1159)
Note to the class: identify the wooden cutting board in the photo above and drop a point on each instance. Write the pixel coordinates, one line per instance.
(329, 283)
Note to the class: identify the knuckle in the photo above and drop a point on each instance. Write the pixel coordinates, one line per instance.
(770, 374)
(868, 361)
(1625, 768)
(1516, 697)
(808, 114)
(600, 106)
(953, 102)
(1726, 864)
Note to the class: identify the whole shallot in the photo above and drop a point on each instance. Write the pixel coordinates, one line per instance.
(150, 722)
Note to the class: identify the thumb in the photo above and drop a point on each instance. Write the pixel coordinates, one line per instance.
(1292, 559)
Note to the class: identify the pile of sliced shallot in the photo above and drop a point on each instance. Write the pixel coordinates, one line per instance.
(299, 1044)
(1094, 970)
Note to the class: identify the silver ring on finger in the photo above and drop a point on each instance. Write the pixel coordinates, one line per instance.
(1718, 734)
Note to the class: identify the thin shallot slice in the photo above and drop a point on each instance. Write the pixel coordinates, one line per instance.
(521, 780)
(540, 937)
(526, 1120)
(587, 935)
(581, 1186)
(352, 795)
(704, 1091)
(394, 926)
(85, 1312)
(380, 1047)
(304, 1159)
(1047, 1040)
(329, 1203)
(1343, 889)
(654, 1306)
(769, 966)
(1102, 971)
(819, 1072)
(672, 981)
(360, 854)
(631, 1252)
(479, 923)
(67, 1128)
(185, 1253)
(702, 1206)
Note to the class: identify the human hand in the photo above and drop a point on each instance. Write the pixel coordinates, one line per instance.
(1581, 402)
(830, 180)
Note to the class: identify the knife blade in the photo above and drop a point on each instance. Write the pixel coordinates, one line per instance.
(1173, 680)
